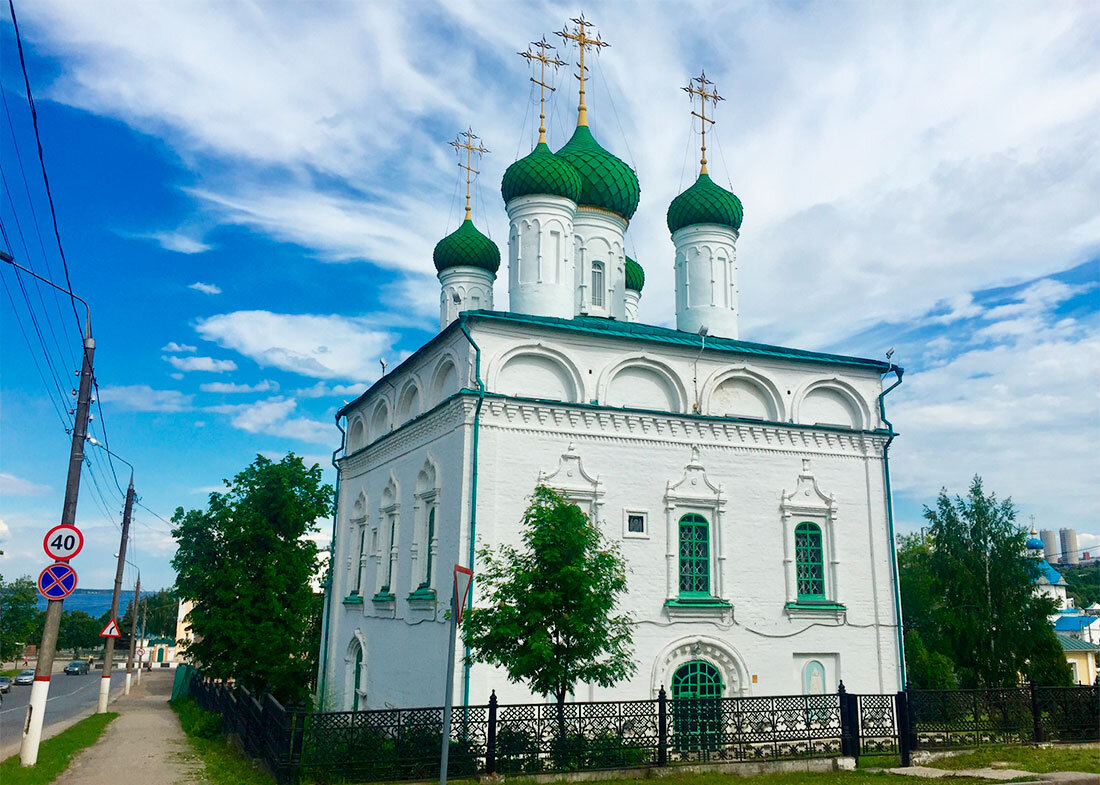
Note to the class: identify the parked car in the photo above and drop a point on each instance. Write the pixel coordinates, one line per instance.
(25, 677)
(76, 667)
(5, 684)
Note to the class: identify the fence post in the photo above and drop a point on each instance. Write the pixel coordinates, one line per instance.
(848, 732)
(491, 737)
(901, 720)
(662, 727)
(297, 719)
(1036, 714)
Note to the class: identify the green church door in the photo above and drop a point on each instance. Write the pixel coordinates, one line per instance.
(696, 707)
(160, 655)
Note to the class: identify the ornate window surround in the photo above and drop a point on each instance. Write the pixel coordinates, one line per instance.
(807, 503)
(695, 493)
(388, 514)
(422, 589)
(577, 485)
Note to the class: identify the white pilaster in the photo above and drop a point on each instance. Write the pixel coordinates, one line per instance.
(630, 302)
(540, 256)
(706, 279)
(464, 289)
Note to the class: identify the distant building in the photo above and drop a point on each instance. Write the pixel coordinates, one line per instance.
(1051, 551)
(1081, 656)
(184, 635)
(1068, 539)
(1085, 628)
(1050, 582)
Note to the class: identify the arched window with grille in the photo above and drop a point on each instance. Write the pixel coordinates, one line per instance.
(598, 284)
(809, 562)
(694, 556)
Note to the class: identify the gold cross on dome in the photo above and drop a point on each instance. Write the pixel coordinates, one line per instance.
(544, 61)
(704, 96)
(471, 143)
(584, 41)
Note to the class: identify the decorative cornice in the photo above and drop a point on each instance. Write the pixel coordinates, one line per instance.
(636, 427)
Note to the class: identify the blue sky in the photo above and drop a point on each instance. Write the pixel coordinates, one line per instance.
(249, 194)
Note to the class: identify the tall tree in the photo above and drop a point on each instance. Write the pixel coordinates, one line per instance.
(19, 615)
(976, 593)
(549, 610)
(246, 564)
(79, 631)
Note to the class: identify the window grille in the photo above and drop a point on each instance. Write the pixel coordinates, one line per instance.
(694, 556)
(809, 561)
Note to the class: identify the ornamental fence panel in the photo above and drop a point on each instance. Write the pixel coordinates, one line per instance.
(535, 738)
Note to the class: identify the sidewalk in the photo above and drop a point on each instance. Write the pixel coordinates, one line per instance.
(1000, 773)
(145, 741)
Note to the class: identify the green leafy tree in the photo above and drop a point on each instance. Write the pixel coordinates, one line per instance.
(1083, 585)
(78, 631)
(925, 669)
(976, 603)
(160, 611)
(19, 615)
(246, 564)
(549, 614)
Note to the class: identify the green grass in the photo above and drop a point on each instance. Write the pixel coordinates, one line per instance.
(224, 765)
(12, 672)
(790, 778)
(55, 754)
(1040, 761)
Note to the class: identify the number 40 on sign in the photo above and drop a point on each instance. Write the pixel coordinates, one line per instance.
(63, 542)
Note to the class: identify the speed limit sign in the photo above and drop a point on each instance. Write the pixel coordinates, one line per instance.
(63, 542)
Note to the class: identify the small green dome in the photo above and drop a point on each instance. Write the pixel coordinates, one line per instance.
(705, 202)
(606, 181)
(541, 172)
(466, 247)
(635, 275)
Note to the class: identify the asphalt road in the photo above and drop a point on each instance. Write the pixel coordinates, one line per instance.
(70, 696)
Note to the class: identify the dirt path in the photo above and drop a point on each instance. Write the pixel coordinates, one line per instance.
(144, 744)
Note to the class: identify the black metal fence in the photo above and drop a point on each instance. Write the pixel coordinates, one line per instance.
(404, 744)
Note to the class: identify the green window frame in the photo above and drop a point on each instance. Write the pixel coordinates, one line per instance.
(809, 559)
(358, 676)
(427, 582)
(389, 556)
(694, 556)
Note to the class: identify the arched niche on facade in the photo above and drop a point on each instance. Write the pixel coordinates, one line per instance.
(357, 435)
(380, 420)
(408, 403)
(355, 673)
(639, 382)
(720, 654)
(830, 402)
(444, 380)
(739, 392)
(537, 372)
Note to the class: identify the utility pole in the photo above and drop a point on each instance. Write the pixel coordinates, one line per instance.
(36, 706)
(133, 634)
(109, 650)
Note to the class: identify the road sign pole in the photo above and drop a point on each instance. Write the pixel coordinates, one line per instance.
(448, 700)
(133, 635)
(36, 707)
(109, 649)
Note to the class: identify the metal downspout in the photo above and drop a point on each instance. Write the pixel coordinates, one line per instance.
(890, 519)
(327, 585)
(473, 496)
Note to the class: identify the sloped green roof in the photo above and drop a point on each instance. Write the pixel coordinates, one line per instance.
(466, 247)
(705, 202)
(606, 181)
(1069, 643)
(635, 275)
(540, 172)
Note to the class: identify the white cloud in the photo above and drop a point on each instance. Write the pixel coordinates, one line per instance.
(10, 485)
(228, 387)
(273, 417)
(324, 347)
(322, 390)
(172, 346)
(143, 398)
(205, 288)
(201, 364)
(178, 242)
(176, 376)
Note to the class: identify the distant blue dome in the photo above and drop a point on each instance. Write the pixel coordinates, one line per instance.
(1034, 544)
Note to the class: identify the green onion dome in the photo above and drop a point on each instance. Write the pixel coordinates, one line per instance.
(606, 182)
(466, 247)
(635, 276)
(542, 173)
(705, 202)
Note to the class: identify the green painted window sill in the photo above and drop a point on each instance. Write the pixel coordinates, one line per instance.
(697, 602)
(383, 596)
(815, 605)
(423, 593)
(353, 599)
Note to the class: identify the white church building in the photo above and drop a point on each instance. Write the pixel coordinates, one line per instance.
(746, 484)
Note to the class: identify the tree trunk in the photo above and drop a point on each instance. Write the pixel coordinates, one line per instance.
(560, 695)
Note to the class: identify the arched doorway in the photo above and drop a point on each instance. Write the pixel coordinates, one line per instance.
(354, 697)
(696, 706)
